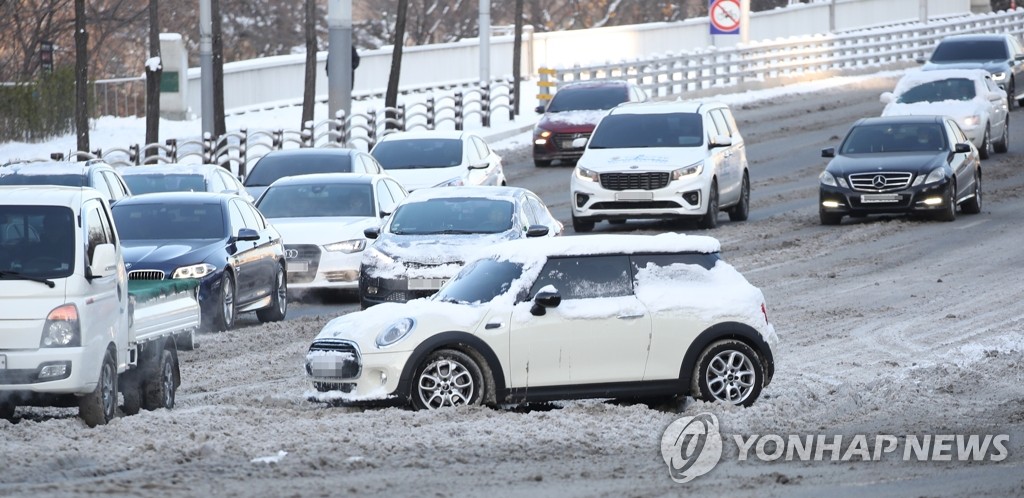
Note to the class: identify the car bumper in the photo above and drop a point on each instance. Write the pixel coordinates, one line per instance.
(369, 377)
(683, 198)
(919, 199)
(51, 370)
(333, 270)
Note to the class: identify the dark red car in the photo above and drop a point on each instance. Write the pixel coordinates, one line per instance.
(572, 113)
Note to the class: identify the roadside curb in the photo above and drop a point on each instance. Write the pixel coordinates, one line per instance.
(509, 133)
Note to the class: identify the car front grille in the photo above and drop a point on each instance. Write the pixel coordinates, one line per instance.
(349, 364)
(145, 275)
(302, 253)
(342, 275)
(634, 181)
(563, 141)
(880, 181)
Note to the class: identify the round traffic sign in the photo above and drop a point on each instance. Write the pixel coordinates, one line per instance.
(725, 15)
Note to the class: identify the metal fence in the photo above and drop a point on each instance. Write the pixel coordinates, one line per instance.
(689, 72)
(237, 150)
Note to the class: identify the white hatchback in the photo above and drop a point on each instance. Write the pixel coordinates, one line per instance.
(662, 160)
(438, 158)
(594, 316)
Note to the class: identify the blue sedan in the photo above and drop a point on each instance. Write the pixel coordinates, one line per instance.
(220, 239)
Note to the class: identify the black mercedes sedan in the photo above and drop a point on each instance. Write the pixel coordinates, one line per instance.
(218, 238)
(917, 165)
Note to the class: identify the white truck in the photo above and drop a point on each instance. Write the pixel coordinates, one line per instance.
(73, 330)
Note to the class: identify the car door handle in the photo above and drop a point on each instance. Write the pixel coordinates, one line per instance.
(628, 316)
(494, 325)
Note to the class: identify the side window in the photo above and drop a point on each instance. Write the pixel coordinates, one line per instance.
(216, 183)
(720, 123)
(117, 186)
(96, 232)
(251, 219)
(955, 133)
(528, 211)
(481, 147)
(235, 217)
(731, 120)
(711, 127)
(397, 192)
(384, 198)
(539, 210)
(470, 152)
(646, 261)
(370, 164)
(586, 277)
(98, 182)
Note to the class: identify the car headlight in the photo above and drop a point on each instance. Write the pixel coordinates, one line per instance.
(194, 271)
(347, 246)
(541, 136)
(454, 182)
(585, 174)
(395, 332)
(1000, 76)
(693, 169)
(61, 329)
(937, 174)
(971, 121)
(827, 178)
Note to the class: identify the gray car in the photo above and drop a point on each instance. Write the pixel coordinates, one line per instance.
(999, 54)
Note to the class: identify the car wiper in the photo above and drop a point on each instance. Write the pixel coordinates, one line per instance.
(456, 231)
(13, 275)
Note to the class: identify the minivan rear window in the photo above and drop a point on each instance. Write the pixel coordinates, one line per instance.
(270, 167)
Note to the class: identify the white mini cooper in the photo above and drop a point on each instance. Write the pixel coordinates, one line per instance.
(593, 316)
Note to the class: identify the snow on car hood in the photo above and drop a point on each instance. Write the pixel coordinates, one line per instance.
(417, 178)
(431, 317)
(429, 256)
(956, 109)
(582, 121)
(649, 159)
(322, 230)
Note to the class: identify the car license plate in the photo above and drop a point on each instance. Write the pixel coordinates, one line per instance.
(634, 196)
(298, 266)
(426, 283)
(3, 362)
(879, 198)
(567, 144)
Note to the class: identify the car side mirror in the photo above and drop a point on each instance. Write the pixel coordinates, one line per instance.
(371, 232)
(579, 143)
(960, 148)
(720, 141)
(996, 95)
(920, 60)
(536, 231)
(479, 165)
(887, 97)
(540, 109)
(104, 261)
(1018, 57)
(247, 234)
(828, 152)
(543, 300)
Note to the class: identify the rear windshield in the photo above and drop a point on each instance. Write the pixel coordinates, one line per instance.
(70, 180)
(169, 221)
(938, 91)
(970, 50)
(648, 130)
(591, 98)
(160, 182)
(272, 167)
(904, 137)
(303, 201)
(419, 153)
(453, 216)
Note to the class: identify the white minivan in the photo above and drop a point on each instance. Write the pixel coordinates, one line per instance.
(662, 160)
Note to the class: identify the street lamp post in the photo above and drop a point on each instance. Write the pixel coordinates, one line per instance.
(339, 56)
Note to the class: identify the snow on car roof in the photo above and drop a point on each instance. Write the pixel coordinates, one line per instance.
(915, 78)
(592, 244)
(489, 192)
(64, 168)
(663, 107)
(424, 134)
(170, 169)
(320, 178)
(45, 195)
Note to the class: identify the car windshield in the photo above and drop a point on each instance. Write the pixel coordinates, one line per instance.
(36, 241)
(970, 50)
(938, 91)
(169, 221)
(622, 131)
(70, 180)
(480, 282)
(589, 98)
(453, 215)
(419, 153)
(308, 201)
(272, 167)
(899, 137)
(162, 182)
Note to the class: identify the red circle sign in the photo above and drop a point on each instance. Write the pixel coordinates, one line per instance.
(725, 15)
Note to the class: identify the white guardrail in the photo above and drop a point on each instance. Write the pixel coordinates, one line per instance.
(279, 80)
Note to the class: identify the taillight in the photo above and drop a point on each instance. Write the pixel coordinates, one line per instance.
(62, 328)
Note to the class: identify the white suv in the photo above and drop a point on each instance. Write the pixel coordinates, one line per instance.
(662, 160)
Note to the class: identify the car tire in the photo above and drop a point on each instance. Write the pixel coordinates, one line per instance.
(279, 304)
(985, 151)
(949, 211)
(540, 163)
(1011, 94)
(581, 225)
(710, 218)
(829, 218)
(7, 410)
(973, 205)
(1003, 145)
(728, 371)
(224, 317)
(160, 385)
(131, 390)
(447, 377)
(100, 406)
(741, 211)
